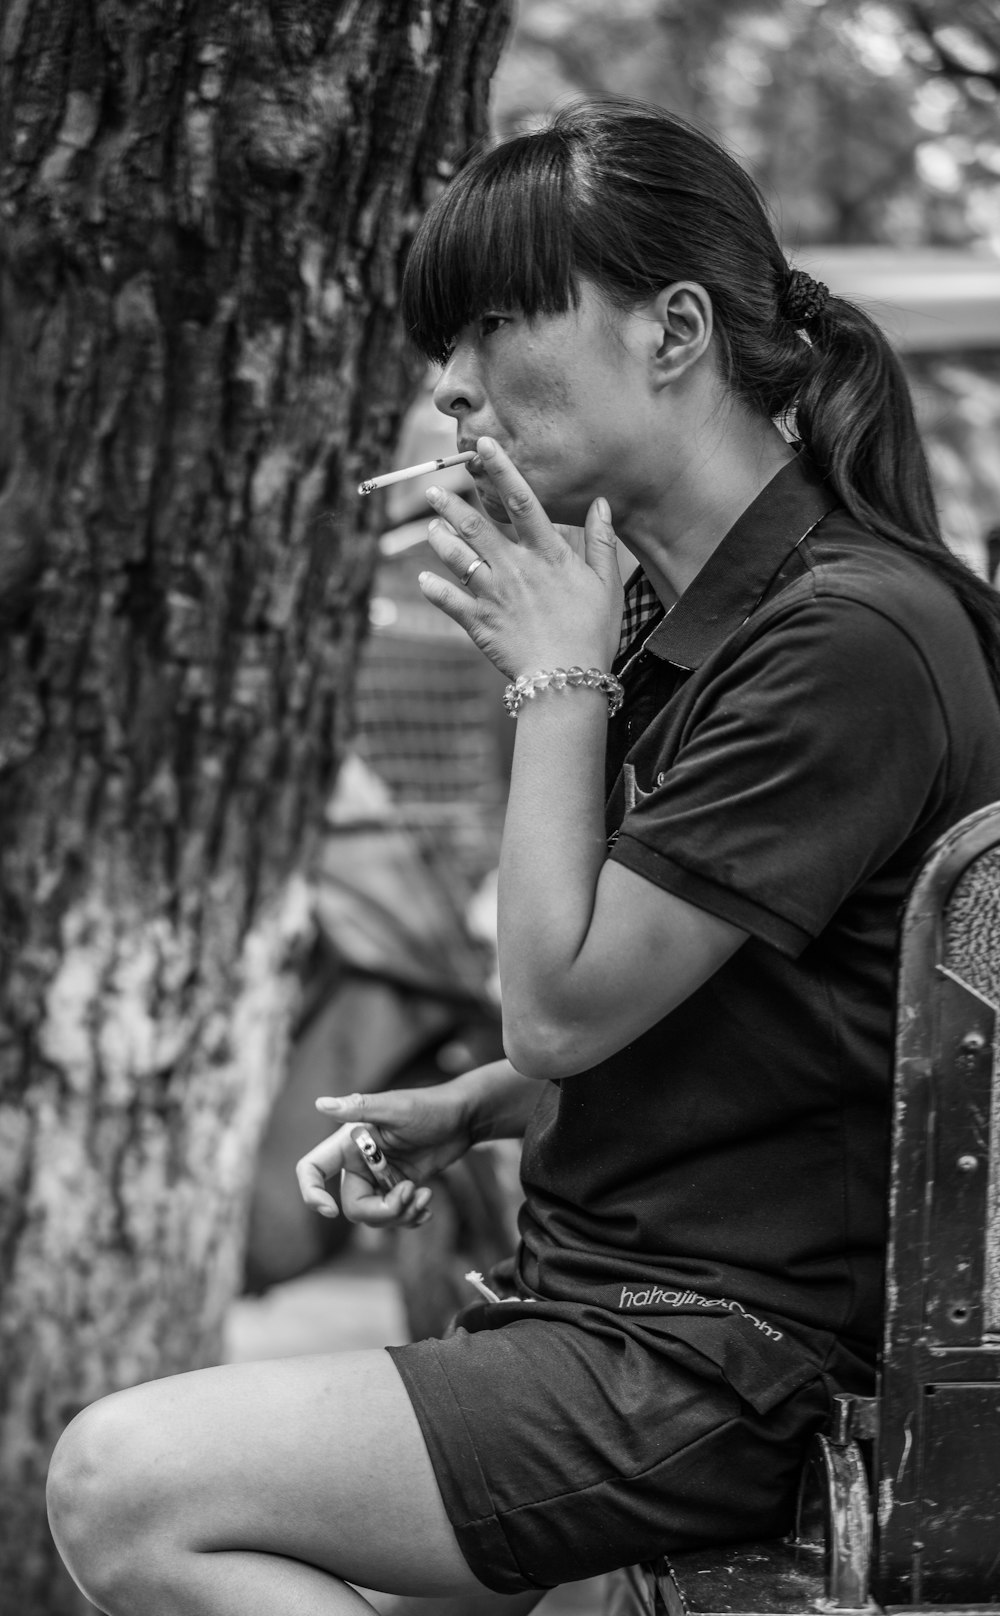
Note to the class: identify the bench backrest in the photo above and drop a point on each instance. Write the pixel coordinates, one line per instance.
(937, 1456)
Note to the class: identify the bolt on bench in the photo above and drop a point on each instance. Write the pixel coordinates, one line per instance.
(899, 1504)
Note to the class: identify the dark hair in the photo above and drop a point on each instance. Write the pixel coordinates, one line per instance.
(632, 198)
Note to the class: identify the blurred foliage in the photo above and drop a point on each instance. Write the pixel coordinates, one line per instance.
(957, 397)
(871, 121)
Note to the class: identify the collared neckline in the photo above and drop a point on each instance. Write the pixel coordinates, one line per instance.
(731, 583)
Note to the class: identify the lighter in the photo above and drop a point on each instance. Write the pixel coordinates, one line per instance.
(375, 1159)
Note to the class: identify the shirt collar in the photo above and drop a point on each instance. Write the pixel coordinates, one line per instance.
(730, 584)
(642, 607)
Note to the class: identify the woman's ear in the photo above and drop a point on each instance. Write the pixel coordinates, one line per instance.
(685, 325)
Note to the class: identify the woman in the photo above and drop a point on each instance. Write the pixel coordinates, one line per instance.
(699, 898)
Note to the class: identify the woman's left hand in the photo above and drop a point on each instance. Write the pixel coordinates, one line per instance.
(540, 597)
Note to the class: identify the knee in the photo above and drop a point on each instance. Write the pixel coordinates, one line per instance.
(99, 1504)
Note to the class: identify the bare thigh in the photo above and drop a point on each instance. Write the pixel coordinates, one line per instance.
(481, 1604)
(318, 1459)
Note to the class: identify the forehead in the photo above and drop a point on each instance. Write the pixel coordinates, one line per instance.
(501, 237)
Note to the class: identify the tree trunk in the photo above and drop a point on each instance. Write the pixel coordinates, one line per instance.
(204, 208)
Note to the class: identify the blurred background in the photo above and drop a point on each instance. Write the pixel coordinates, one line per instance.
(198, 273)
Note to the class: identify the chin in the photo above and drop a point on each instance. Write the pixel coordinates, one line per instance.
(569, 510)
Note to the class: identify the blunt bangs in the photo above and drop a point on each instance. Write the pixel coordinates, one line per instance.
(500, 237)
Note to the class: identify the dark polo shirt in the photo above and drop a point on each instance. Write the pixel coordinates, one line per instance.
(802, 725)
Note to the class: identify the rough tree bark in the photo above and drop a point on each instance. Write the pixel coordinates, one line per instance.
(204, 206)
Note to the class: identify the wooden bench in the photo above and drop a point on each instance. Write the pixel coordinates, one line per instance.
(900, 1500)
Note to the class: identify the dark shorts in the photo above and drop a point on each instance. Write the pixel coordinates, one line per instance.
(568, 1441)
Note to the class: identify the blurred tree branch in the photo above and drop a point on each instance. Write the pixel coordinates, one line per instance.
(871, 123)
(965, 42)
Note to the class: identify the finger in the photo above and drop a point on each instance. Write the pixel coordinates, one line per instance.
(317, 1166)
(479, 533)
(600, 542)
(335, 1153)
(455, 553)
(350, 1107)
(448, 598)
(519, 498)
(384, 1110)
(573, 536)
(418, 1210)
(364, 1203)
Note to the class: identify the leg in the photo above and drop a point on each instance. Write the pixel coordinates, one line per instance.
(254, 1490)
(481, 1604)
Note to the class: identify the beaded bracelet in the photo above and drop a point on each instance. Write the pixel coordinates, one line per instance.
(523, 688)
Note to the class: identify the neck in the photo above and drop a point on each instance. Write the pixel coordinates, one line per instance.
(673, 527)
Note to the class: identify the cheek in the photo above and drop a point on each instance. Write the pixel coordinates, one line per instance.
(530, 393)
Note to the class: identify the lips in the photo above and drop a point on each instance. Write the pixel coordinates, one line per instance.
(465, 447)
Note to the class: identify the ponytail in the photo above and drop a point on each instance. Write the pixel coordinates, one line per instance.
(854, 415)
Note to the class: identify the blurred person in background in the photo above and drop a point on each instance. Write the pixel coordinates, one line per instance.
(722, 785)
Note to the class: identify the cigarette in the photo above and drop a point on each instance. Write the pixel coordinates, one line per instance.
(422, 470)
(476, 1279)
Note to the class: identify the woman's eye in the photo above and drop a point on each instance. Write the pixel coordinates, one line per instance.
(476, 330)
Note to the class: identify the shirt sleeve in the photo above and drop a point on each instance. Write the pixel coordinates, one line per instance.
(803, 767)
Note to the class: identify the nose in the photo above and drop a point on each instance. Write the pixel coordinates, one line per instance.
(459, 390)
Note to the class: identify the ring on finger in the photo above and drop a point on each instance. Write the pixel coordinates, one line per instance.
(470, 569)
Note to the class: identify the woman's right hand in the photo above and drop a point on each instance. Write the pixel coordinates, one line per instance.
(421, 1130)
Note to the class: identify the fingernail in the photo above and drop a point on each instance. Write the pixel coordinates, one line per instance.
(328, 1212)
(328, 1102)
(486, 448)
(434, 494)
(603, 508)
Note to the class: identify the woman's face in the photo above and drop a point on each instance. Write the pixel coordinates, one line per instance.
(563, 394)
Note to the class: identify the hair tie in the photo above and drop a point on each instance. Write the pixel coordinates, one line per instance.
(802, 298)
